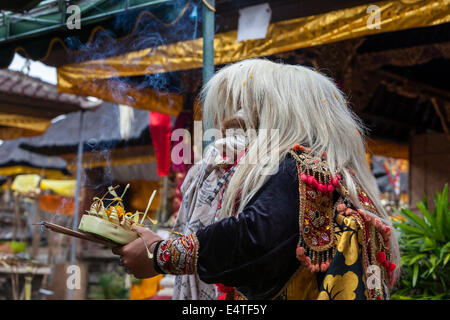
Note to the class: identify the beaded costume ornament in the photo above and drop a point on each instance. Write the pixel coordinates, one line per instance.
(322, 198)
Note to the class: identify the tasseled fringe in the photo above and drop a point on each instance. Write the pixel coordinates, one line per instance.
(379, 226)
(314, 261)
(324, 182)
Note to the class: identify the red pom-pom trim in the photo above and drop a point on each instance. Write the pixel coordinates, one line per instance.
(223, 288)
(381, 257)
(391, 267)
(298, 147)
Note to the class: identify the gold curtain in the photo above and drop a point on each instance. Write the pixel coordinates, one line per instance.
(90, 77)
(76, 82)
(281, 36)
(13, 126)
(16, 170)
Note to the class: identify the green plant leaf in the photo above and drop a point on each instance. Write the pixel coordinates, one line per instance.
(412, 229)
(440, 204)
(434, 263)
(447, 257)
(443, 251)
(430, 243)
(416, 258)
(417, 221)
(415, 274)
(425, 201)
(426, 213)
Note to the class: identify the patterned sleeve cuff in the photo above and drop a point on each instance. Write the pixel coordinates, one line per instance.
(178, 256)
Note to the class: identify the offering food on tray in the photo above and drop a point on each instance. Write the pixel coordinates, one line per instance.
(113, 222)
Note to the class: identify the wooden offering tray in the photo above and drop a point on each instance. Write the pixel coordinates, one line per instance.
(78, 234)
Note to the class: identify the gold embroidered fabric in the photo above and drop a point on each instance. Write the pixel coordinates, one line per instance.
(281, 36)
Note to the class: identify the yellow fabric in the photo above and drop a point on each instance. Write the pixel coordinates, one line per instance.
(303, 286)
(26, 183)
(13, 126)
(60, 187)
(340, 287)
(281, 36)
(17, 170)
(73, 80)
(9, 133)
(146, 289)
(348, 240)
(24, 122)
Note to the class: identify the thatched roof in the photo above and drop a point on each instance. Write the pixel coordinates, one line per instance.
(29, 96)
(12, 155)
(101, 130)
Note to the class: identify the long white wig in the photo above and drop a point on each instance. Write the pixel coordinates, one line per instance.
(306, 108)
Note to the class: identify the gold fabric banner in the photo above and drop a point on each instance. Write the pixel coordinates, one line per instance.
(281, 37)
(64, 188)
(91, 77)
(75, 81)
(13, 126)
(16, 170)
(8, 133)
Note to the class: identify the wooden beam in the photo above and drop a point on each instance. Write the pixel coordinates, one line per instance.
(442, 114)
(402, 57)
(386, 120)
(414, 88)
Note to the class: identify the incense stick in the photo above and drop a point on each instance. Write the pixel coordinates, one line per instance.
(148, 206)
(124, 191)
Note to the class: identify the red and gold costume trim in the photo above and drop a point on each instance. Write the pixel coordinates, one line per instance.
(320, 214)
(178, 256)
(315, 249)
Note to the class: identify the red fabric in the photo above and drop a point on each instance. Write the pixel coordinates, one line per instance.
(224, 290)
(160, 131)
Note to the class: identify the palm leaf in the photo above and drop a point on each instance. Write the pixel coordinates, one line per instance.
(413, 218)
(416, 258)
(440, 214)
(411, 229)
(426, 213)
(447, 257)
(425, 201)
(415, 275)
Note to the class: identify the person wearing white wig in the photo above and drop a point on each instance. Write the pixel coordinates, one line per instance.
(300, 217)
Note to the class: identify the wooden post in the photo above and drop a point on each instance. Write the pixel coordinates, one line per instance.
(36, 239)
(208, 16)
(77, 196)
(16, 220)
